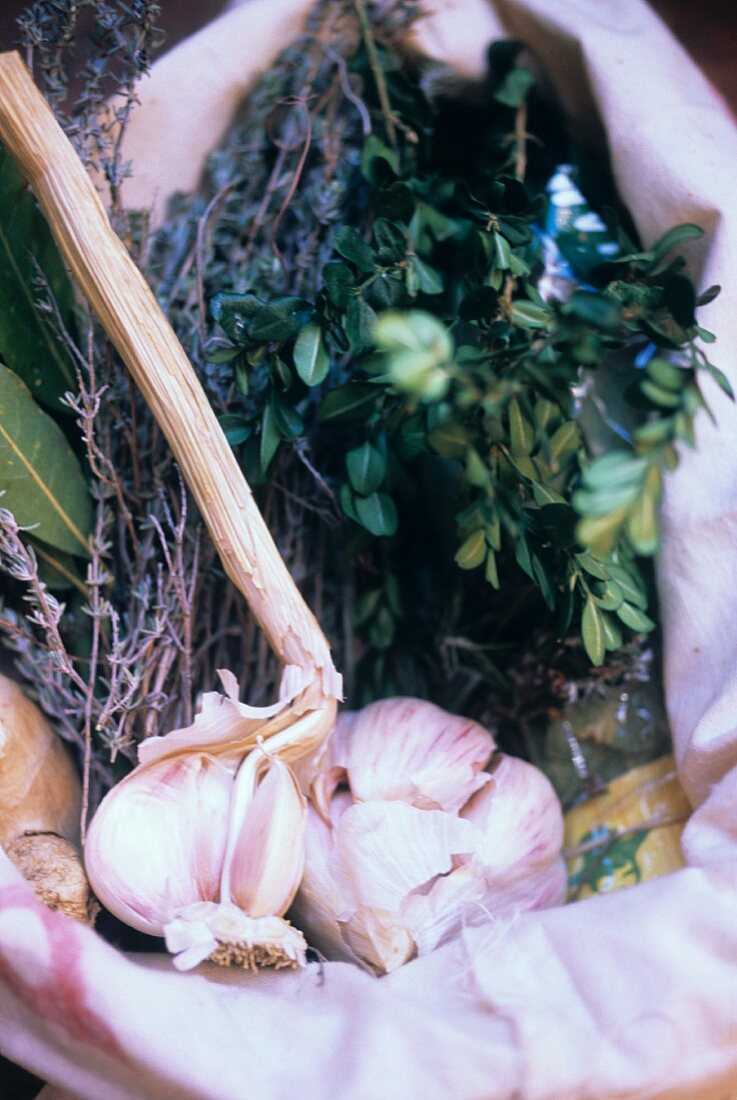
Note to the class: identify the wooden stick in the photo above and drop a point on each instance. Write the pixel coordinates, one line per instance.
(147, 344)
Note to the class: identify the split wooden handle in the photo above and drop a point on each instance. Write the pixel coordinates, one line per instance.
(147, 344)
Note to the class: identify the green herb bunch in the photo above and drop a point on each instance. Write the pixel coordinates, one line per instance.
(461, 473)
(429, 374)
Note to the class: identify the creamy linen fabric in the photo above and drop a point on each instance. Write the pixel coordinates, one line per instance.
(633, 995)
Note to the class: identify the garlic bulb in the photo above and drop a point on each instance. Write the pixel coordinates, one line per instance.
(408, 840)
(203, 842)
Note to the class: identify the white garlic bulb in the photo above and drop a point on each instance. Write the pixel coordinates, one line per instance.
(408, 839)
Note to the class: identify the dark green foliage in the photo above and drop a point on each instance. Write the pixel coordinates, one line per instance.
(29, 265)
(425, 334)
(358, 289)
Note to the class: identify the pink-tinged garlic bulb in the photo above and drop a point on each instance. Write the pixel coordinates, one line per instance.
(203, 842)
(409, 839)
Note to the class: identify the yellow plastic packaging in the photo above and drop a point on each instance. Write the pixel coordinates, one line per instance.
(628, 834)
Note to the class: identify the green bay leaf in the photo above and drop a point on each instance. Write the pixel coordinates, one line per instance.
(27, 344)
(40, 476)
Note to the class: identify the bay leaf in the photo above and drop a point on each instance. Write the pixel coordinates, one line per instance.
(27, 344)
(40, 476)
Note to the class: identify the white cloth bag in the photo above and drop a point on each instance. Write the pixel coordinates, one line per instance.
(632, 995)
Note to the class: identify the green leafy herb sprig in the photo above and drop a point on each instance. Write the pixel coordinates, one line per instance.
(428, 337)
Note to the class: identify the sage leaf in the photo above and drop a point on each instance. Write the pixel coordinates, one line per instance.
(40, 476)
(27, 344)
(311, 356)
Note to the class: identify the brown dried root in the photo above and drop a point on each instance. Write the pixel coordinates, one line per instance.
(40, 791)
(53, 867)
(40, 802)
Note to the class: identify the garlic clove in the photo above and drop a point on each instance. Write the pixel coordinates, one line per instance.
(452, 903)
(326, 906)
(157, 840)
(359, 870)
(388, 849)
(542, 889)
(268, 857)
(379, 939)
(410, 750)
(324, 901)
(519, 821)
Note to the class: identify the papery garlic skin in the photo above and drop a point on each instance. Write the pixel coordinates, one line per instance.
(407, 750)
(519, 821)
(387, 878)
(157, 841)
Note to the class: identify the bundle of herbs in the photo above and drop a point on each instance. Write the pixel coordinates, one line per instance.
(461, 471)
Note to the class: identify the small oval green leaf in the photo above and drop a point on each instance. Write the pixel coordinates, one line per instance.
(592, 632)
(635, 618)
(473, 551)
(377, 513)
(311, 356)
(366, 468)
